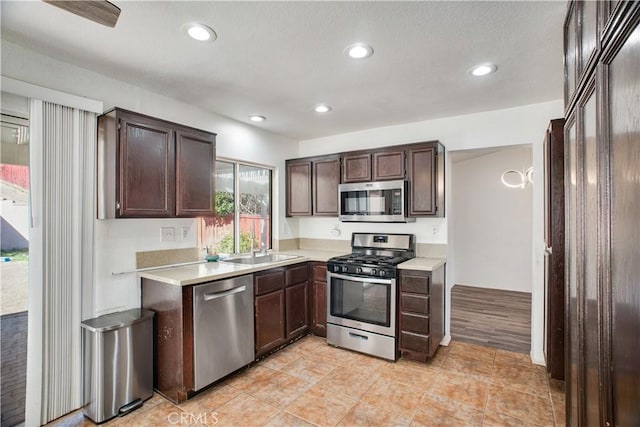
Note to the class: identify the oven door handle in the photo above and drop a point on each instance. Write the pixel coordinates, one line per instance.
(360, 279)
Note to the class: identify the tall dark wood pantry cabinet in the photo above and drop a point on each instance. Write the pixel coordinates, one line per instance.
(602, 163)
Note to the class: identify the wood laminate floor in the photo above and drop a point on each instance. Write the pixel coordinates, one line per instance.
(491, 317)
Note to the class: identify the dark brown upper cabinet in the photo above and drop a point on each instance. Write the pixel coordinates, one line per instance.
(326, 177)
(356, 167)
(312, 182)
(583, 40)
(312, 186)
(381, 165)
(571, 54)
(195, 174)
(426, 179)
(388, 165)
(151, 168)
(298, 188)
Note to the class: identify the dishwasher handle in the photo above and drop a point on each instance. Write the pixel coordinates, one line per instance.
(215, 295)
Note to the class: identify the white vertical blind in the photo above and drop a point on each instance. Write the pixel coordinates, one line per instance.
(64, 222)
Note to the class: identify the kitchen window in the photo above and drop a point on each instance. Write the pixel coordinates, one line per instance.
(243, 209)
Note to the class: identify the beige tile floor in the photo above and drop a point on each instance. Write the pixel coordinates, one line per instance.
(310, 383)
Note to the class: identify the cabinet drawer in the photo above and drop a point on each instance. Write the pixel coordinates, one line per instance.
(296, 274)
(320, 273)
(414, 303)
(269, 282)
(415, 284)
(415, 342)
(418, 323)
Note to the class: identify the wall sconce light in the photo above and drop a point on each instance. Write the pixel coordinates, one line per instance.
(517, 179)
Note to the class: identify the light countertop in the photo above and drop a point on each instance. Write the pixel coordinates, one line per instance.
(209, 271)
(424, 264)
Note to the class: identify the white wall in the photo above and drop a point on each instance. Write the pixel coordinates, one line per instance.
(513, 126)
(522, 125)
(490, 223)
(117, 241)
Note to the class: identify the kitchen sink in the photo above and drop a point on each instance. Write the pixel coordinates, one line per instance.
(260, 259)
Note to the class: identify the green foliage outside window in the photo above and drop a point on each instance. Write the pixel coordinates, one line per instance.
(225, 245)
(224, 203)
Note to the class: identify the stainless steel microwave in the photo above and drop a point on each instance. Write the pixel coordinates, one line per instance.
(383, 201)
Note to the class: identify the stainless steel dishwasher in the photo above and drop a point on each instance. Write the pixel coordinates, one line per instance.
(222, 328)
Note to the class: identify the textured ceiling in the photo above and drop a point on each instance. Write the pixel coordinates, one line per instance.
(279, 59)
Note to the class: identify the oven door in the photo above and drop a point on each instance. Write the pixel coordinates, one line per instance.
(363, 303)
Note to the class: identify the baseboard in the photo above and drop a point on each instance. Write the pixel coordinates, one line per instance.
(446, 340)
(537, 358)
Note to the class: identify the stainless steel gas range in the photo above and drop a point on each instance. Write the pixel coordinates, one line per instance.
(361, 300)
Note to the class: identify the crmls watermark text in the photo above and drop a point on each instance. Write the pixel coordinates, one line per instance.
(188, 418)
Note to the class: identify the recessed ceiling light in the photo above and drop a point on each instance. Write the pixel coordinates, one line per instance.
(482, 69)
(322, 108)
(257, 118)
(199, 32)
(358, 51)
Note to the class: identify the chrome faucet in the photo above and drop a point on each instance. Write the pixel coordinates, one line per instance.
(261, 251)
(252, 243)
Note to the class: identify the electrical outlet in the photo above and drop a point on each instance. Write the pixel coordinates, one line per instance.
(185, 233)
(435, 230)
(167, 234)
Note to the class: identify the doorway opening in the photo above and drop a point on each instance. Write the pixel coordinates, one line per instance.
(14, 256)
(491, 230)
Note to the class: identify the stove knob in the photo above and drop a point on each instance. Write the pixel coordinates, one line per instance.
(383, 273)
(345, 269)
(374, 271)
(359, 270)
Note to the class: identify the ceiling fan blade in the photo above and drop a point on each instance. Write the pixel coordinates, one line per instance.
(100, 11)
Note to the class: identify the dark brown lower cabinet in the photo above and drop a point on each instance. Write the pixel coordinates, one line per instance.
(269, 327)
(297, 309)
(297, 300)
(281, 306)
(421, 314)
(173, 341)
(318, 299)
(269, 310)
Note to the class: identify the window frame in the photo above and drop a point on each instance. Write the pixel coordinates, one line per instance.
(236, 198)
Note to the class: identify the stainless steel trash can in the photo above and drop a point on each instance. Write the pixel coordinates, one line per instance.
(118, 363)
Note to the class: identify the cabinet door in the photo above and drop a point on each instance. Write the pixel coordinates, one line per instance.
(422, 181)
(622, 114)
(388, 165)
(326, 177)
(319, 309)
(554, 257)
(319, 300)
(570, 53)
(270, 332)
(146, 182)
(297, 309)
(195, 173)
(588, 34)
(299, 189)
(591, 295)
(356, 168)
(573, 381)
